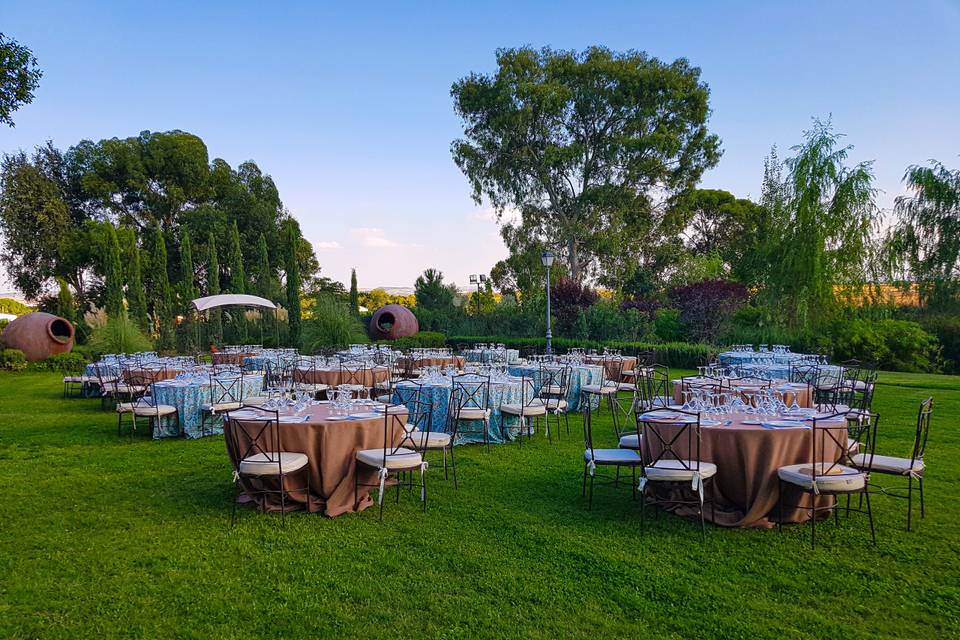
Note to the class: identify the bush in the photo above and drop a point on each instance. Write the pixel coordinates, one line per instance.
(667, 325)
(119, 335)
(570, 299)
(423, 340)
(707, 307)
(683, 355)
(331, 325)
(12, 360)
(69, 362)
(896, 345)
(947, 330)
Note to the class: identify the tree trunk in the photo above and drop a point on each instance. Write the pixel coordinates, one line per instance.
(573, 260)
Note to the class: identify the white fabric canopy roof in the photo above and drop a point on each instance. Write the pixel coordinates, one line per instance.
(227, 299)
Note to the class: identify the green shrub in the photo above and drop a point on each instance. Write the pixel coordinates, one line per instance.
(69, 362)
(12, 360)
(3, 324)
(331, 325)
(896, 345)
(947, 330)
(423, 340)
(683, 355)
(119, 335)
(667, 325)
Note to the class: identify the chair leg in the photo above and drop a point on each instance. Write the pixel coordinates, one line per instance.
(920, 483)
(453, 465)
(909, 501)
(236, 496)
(813, 521)
(583, 490)
(423, 490)
(873, 533)
(590, 503)
(780, 505)
(444, 451)
(283, 505)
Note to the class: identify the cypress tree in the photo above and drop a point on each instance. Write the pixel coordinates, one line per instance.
(188, 289)
(265, 286)
(136, 296)
(238, 281)
(163, 298)
(66, 308)
(215, 325)
(113, 275)
(354, 293)
(293, 285)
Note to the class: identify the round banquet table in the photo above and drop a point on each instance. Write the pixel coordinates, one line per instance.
(801, 392)
(612, 364)
(188, 394)
(747, 458)
(333, 377)
(488, 356)
(579, 376)
(230, 357)
(331, 446)
(151, 374)
(450, 361)
(438, 395)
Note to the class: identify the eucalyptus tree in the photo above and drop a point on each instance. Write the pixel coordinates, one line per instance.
(586, 147)
(926, 238)
(826, 218)
(19, 77)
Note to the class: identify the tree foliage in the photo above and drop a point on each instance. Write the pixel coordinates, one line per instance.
(585, 146)
(293, 284)
(112, 273)
(19, 77)
(432, 293)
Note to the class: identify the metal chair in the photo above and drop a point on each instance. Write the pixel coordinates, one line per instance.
(226, 394)
(391, 458)
(595, 457)
(527, 411)
(470, 404)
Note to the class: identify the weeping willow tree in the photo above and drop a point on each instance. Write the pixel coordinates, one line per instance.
(825, 216)
(926, 239)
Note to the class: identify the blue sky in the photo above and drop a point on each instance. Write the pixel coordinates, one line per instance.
(347, 105)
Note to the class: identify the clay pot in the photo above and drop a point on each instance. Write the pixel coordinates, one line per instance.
(39, 335)
(393, 321)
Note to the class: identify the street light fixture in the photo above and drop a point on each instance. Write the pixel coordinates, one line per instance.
(547, 260)
(478, 280)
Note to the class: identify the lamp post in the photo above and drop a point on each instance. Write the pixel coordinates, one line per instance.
(547, 260)
(478, 280)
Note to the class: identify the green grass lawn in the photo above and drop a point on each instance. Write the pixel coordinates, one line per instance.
(101, 537)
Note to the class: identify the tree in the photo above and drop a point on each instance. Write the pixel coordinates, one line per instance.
(112, 273)
(238, 282)
(136, 296)
(569, 300)
(707, 307)
(265, 282)
(188, 291)
(66, 307)
(828, 218)
(926, 238)
(19, 76)
(354, 294)
(162, 295)
(215, 324)
(585, 146)
(293, 284)
(432, 293)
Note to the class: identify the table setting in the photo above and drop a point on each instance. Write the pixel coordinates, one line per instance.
(189, 391)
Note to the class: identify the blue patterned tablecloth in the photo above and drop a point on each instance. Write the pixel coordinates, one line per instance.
(438, 394)
(757, 357)
(579, 376)
(188, 395)
(828, 374)
(488, 356)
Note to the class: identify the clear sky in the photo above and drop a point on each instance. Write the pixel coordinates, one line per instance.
(347, 104)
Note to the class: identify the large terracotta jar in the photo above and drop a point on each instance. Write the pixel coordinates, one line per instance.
(393, 321)
(39, 335)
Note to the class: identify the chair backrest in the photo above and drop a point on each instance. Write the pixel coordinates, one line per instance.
(653, 381)
(255, 436)
(529, 391)
(613, 364)
(862, 434)
(353, 372)
(923, 430)
(827, 438)
(396, 433)
(474, 391)
(554, 380)
(588, 429)
(804, 371)
(670, 439)
(226, 388)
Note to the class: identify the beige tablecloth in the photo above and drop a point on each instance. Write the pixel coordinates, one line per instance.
(150, 375)
(456, 361)
(333, 377)
(747, 459)
(230, 357)
(331, 447)
(612, 366)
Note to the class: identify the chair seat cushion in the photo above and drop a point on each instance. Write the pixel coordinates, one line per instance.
(630, 441)
(256, 401)
(678, 470)
(429, 439)
(310, 386)
(555, 404)
(402, 458)
(221, 407)
(612, 456)
(596, 388)
(128, 407)
(352, 387)
(840, 478)
(889, 464)
(853, 446)
(161, 409)
(626, 386)
(537, 408)
(551, 389)
(385, 399)
(383, 384)
(473, 413)
(263, 464)
(74, 379)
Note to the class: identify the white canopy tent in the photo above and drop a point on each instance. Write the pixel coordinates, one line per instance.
(209, 303)
(231, 299)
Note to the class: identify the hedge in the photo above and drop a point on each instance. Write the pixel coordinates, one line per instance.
(423, 340)
(683, 355)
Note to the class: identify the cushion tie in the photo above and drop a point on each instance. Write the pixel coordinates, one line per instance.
(382, 473)
(642, 483)
(423, 488)
(592, 467)
(697, 485)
